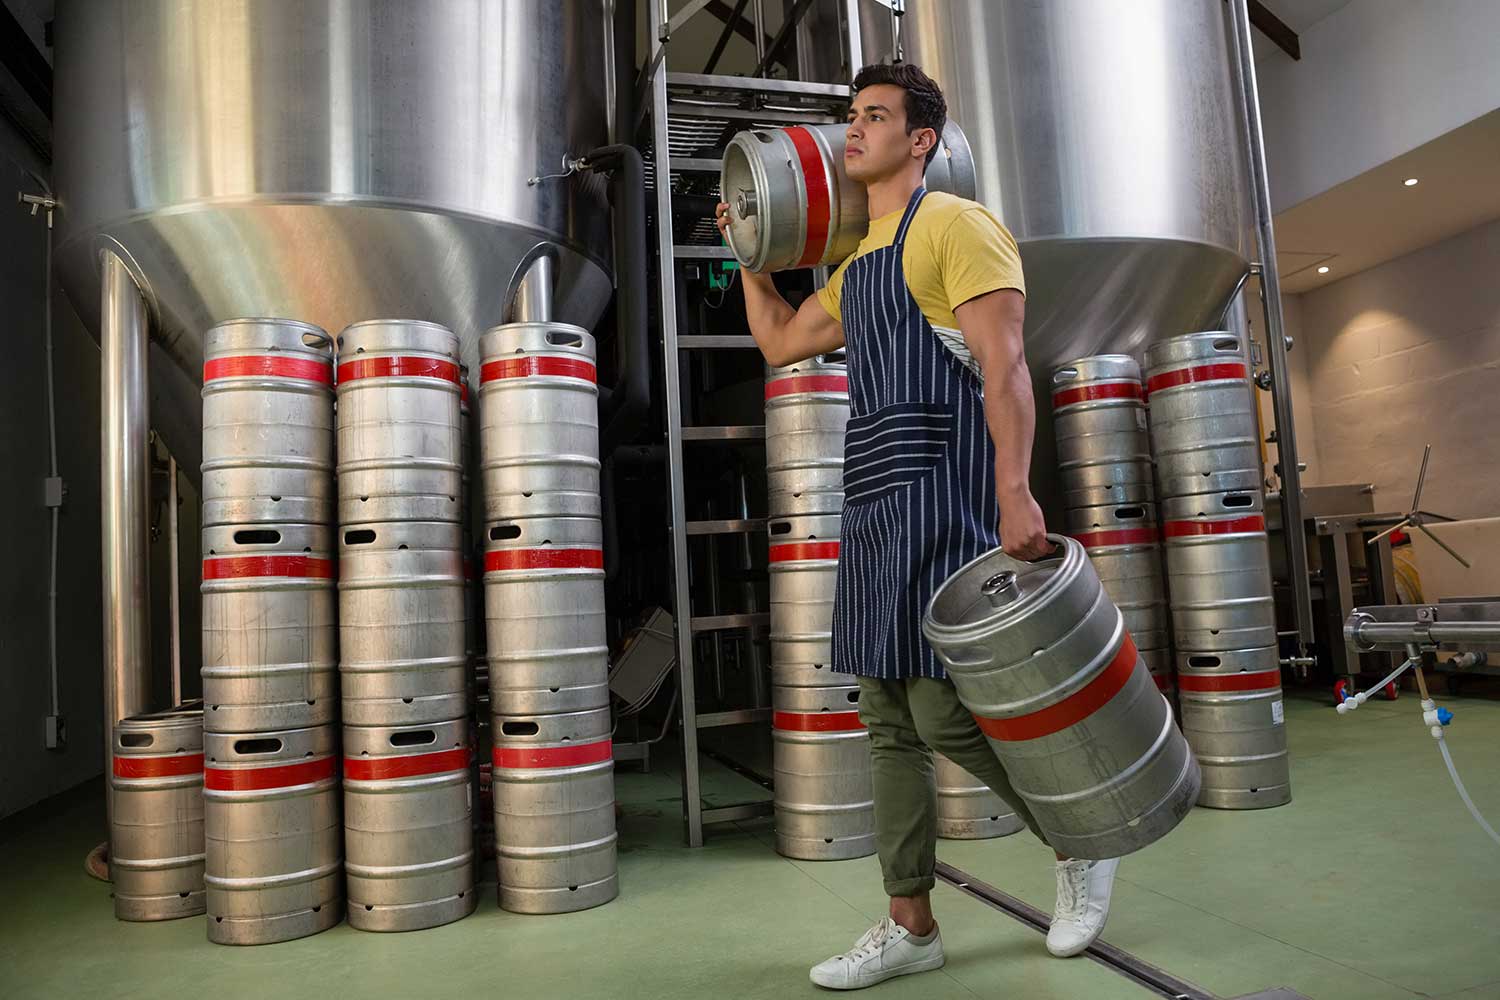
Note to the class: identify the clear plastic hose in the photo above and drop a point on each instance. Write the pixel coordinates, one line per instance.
(1463, 792)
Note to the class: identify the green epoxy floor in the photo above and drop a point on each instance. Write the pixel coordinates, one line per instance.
(1373, 884)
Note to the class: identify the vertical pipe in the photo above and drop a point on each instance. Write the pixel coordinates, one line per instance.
(760, 35)
(533, 299)
(1276, 340)
(126, 495)
(173, 603)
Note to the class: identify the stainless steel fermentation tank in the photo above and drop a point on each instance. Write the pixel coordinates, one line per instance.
(329, 161)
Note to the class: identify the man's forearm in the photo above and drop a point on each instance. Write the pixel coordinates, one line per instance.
(1010, 413)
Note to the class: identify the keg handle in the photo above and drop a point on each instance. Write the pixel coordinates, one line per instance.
(745, 205)
(1002, 589)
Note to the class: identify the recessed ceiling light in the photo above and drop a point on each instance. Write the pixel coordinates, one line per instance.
(1323, 270)
(1410, 182)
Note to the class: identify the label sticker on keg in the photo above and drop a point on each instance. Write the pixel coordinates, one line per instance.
(1278, 713)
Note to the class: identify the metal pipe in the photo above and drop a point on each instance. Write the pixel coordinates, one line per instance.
(53, 472)
(1276, 342)
(174, 608)
(760, 34)
(126, 496)
(621, 414)
(532, 302)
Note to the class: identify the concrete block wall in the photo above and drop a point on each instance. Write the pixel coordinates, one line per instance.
(1401, 355)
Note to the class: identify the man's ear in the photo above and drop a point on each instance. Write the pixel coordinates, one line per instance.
(924, 140)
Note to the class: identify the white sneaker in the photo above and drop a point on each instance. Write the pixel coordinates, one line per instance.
(1083, 890)
(884, 952)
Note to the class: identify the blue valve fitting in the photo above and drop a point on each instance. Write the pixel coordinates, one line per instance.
(1444, 716)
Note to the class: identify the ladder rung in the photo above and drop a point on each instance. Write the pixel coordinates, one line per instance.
(718, 623)
(739, 717)
(746, 810)
(716, 343)
(758, 84)
(709, 165)
(726, 527)
(685, 251)
(738, 432)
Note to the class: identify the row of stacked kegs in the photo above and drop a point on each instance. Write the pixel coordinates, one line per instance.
(333, 766)
(1173, 463)
(824, 798)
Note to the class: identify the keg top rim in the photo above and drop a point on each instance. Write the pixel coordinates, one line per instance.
(1039, 582)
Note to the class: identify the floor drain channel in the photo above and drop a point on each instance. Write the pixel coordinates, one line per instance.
(1158, 981)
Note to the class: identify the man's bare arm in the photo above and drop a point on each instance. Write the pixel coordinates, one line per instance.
(785, 335)
(992, 328)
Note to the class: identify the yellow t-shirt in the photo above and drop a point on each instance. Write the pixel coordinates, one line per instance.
(955, 250)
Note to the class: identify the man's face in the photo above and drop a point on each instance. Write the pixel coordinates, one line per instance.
(876, 143)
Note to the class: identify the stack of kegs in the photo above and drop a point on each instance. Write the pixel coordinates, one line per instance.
(552, 773)
(1104, 449)
(1204, 437)
(156, 815)
(408, 832)
(824, 797)
(274, 846)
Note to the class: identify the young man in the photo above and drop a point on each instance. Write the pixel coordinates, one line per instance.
(936, 472)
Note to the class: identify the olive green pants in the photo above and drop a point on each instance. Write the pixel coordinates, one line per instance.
(907, 720)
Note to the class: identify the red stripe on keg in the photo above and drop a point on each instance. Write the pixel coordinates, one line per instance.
(796, 551)
(1102, 390)
(500, 560)
(252, 365)
(158, 767)
(537, 757)
(813, 172)
(1197, 373)
(239, 567)
(1231, 526)
(806, 383)
(1116, 536)
(816, 722)
(255, 779)
(398, 366)
(408, 766)
(1260, 681)
(1074, 708)
(529, 367)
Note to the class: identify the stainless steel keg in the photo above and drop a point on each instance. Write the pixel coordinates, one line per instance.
(803, 561)
(269, 629)
(1124, 544)
(1235, 719)
(1219, 572)
(966, 807)
(824, 789)
(807, 411)
(267, 423)
(1202, 414)
(156, 823)
(1099, 420)
(1040, 655)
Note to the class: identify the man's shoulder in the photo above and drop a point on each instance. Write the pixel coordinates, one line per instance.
(944, 208)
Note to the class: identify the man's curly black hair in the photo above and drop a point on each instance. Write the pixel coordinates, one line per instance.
(925, 105)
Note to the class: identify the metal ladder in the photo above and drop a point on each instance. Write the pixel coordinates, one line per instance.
(684, 107)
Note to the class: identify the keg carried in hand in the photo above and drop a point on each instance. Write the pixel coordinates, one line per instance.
(398, 426)
(274, 843)
(804, 563)
(1099, 420)
(807, 411)
(1219, 572)
(966, 807)
(792, 205)
(824, 789)
(539, 407)
(1040, 655)
(1234, 718)
(156, 824)
(544, 608)
(269, 628)
(554, 793)
(267, 423)
(1202, 414)
(401, 623)
(408, 826)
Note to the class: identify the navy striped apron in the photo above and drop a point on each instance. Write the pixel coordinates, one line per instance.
(919, 471)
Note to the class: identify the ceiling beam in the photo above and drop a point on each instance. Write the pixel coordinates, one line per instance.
(1275, 29)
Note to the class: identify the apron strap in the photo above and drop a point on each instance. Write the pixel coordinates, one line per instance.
(911, 213)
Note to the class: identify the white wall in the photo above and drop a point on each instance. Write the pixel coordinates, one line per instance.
(1377, 78)
(1401, 355)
